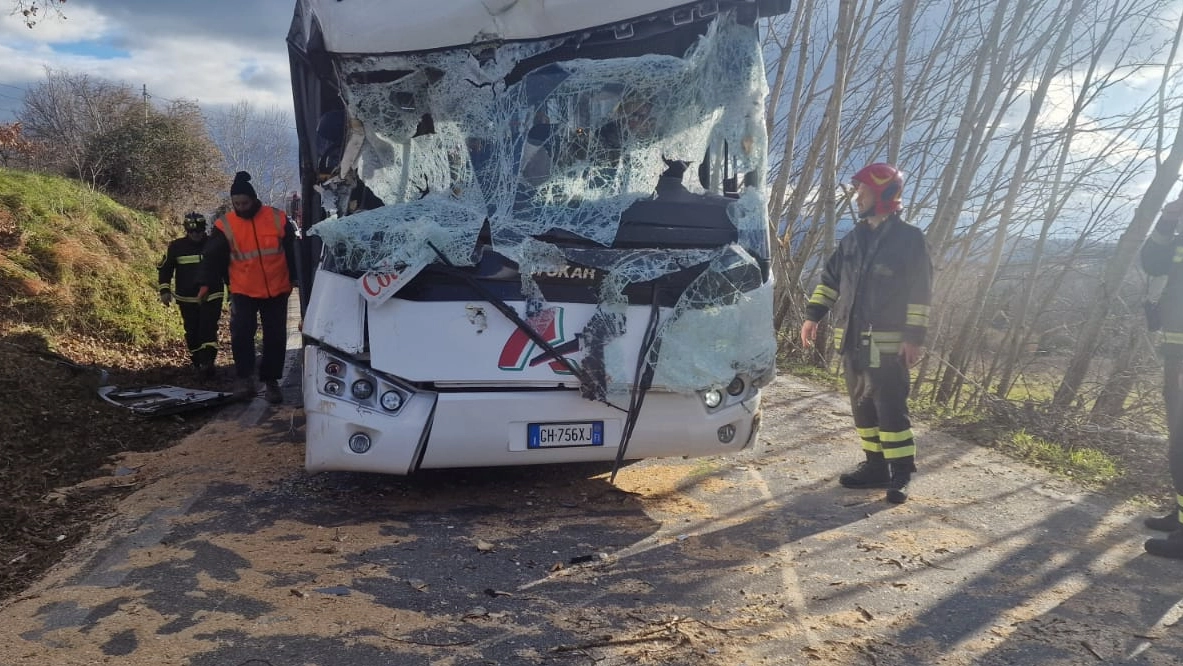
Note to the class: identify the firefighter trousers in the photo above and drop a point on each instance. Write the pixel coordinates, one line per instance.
(201, 330)
(246, 314)
(879, 402)
(1172, 391)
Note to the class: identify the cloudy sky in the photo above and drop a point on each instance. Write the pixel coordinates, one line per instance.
(216, 52)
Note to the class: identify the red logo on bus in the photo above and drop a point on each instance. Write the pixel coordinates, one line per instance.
(548, 324)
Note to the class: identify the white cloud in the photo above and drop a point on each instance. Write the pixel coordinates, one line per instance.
(1091, 138)
(81, 24)
(212, 72)
(217, 52)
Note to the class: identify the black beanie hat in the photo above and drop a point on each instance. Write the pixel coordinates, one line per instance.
(242, 185)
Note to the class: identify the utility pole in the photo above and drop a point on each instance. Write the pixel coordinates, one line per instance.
(145, 102)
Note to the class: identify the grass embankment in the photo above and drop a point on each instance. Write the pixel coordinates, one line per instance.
(77, 279)
(73, 262)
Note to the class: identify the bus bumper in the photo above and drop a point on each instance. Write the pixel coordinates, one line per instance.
(494, 428)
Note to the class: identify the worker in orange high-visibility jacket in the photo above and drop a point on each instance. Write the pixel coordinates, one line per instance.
(254, 246)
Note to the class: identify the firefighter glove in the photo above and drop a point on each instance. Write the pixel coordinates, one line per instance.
(166, 298)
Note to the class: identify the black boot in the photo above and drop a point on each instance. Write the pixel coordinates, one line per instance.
(245, 388)
(897, 490)
(1168, 523)
(272, 392)
(1171, 546)
(871, 473)
(204, 371)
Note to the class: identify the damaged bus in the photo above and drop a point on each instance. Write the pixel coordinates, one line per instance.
(533, 232)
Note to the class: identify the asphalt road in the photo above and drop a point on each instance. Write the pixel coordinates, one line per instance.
(229, 555)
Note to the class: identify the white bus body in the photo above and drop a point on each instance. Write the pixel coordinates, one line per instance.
(535, 232)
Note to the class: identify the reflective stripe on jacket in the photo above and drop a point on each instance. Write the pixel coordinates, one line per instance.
(182, 264)
(258, 267)
(877, 282)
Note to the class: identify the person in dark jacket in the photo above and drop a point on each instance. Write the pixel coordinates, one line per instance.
(182, 264)
(254, 245)
(1162, 256)
(878, 286)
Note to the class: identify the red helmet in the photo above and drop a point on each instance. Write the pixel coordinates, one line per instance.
(886, 182)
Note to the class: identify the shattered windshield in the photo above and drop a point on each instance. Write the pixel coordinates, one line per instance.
(550, 151)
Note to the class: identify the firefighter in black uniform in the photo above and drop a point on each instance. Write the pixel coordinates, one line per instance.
(183, 262)
(1162, 255)
(883, 274)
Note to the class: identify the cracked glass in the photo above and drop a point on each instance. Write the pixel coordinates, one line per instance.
(552, 161)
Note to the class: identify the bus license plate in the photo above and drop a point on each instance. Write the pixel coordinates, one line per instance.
(559, 435)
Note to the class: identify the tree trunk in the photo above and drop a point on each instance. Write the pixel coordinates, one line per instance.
(899, 117)
(955, 182)
(1115, 271)
(1035, 105)
(1165, 175)
(1110, 404)
(779, 185)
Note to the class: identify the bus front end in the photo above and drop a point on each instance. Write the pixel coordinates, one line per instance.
(533, 248)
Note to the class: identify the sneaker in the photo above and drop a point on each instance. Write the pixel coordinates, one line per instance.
(868, 474)
(1169, 546)
(1168, 523)
(245, 389)
(897, 491)
(273, 394)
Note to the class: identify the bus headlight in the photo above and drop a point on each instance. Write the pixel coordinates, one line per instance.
(712, 398)
(362, 389)
(391, 401)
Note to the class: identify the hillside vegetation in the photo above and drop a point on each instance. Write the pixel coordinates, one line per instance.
(74, 262)
(77, 294)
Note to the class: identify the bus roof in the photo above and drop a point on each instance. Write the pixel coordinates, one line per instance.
(403, 26)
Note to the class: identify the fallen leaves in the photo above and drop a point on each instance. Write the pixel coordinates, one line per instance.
(61, 435)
